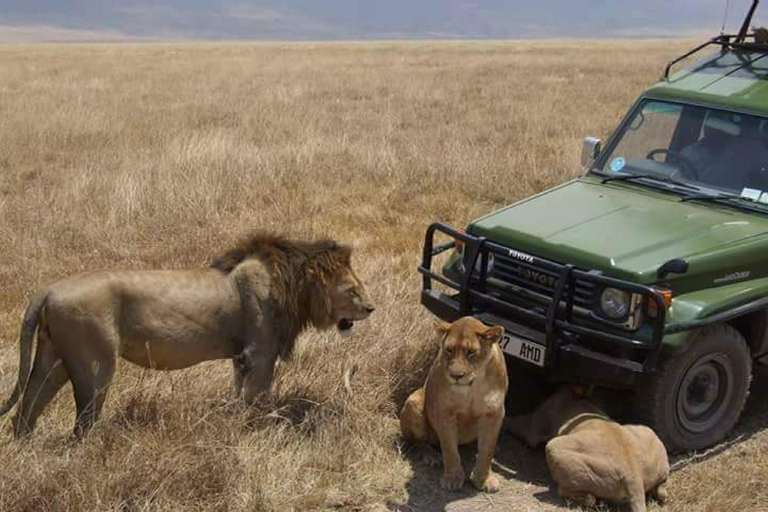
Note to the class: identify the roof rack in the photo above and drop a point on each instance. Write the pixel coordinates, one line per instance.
(727, 41)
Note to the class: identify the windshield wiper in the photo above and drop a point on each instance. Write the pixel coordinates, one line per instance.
(731, 199)
(713, 197)
(656, 177)
(625, 177)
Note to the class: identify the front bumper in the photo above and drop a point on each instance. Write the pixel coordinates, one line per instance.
(571, 353)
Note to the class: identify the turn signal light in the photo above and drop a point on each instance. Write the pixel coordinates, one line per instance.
(666, 294)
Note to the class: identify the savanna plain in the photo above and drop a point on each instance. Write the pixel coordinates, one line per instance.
(127, 156)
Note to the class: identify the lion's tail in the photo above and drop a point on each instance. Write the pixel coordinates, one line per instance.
(26, 340)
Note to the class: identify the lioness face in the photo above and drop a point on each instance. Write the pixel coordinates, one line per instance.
(349, 301)
(466, 347)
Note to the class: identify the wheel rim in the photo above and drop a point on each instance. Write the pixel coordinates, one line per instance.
(704, 393)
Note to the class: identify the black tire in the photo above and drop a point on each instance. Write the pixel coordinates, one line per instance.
(697, 395)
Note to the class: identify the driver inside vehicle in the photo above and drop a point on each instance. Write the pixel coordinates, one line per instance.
(732, 152)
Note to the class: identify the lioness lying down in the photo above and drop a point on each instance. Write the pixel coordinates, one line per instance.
(250, 306)
(590, 456)
(462, 400)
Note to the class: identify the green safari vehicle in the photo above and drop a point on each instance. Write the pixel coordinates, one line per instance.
(649, 273)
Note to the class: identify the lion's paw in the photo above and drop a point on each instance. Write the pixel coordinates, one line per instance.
(583, 498)
(660, 493)
(490, 484)
(452, 481)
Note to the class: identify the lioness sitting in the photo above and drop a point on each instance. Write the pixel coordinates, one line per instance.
(462, 400)
(250, 305)
(591, 456)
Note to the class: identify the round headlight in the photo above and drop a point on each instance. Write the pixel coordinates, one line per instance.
(478, 263)
(614, 303)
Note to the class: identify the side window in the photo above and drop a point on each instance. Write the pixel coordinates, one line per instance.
(652, 128)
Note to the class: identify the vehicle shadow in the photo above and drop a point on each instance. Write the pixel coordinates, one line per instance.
(523, 473)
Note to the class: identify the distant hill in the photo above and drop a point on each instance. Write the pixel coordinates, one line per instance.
(366, 19)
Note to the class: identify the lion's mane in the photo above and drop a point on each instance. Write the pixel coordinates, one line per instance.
(301, 275)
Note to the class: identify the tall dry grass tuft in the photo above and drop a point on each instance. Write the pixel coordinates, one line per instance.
(159, 156)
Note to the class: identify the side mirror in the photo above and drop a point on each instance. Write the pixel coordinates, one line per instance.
(590, 151)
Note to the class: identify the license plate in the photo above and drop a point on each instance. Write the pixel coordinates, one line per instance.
(523, 349)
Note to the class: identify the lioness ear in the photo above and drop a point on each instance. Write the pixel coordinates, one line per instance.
(492, 334)
(442, 327)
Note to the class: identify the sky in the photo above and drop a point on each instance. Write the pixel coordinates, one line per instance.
(364, 19)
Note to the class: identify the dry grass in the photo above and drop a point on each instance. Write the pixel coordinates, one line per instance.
(157, 156)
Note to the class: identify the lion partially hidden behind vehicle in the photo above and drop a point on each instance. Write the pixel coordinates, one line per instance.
(591, 456)
(250, 306)
(462, 400)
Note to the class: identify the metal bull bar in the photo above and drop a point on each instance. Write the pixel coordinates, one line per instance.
(558, 324)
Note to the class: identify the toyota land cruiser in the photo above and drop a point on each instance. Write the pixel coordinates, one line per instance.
(650, 271)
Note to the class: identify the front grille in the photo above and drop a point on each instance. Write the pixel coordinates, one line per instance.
(536, 279)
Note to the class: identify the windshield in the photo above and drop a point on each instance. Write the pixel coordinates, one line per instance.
(714, 151)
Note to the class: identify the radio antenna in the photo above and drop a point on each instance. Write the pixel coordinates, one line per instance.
(725, 15)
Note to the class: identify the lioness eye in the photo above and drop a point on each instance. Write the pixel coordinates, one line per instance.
(354, 294)
(448, 352)
(471, 353)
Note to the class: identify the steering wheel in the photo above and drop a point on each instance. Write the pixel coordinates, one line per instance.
(686, 168)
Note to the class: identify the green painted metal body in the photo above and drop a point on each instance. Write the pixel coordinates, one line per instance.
(731, 79)
(627, 229)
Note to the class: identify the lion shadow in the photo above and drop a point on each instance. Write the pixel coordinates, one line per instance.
(517, 462)
(299, 409)
(300, 412)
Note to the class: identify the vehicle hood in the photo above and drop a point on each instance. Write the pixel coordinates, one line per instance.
(624, 229)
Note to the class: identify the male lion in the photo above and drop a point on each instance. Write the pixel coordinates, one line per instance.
(250, 306)
(591, 456)
(462, 400)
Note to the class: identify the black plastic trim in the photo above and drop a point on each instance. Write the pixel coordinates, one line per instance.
(557, 322)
